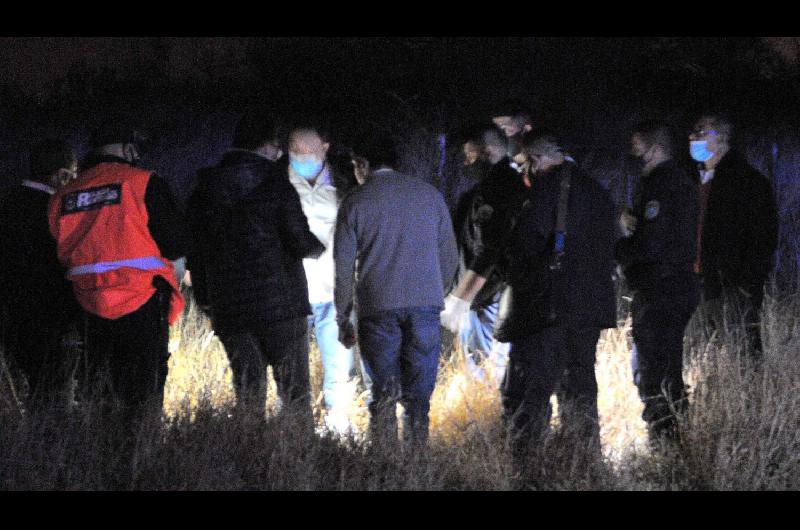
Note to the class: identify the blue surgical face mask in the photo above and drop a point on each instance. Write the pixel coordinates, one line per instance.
(308, 169)
(699, 150)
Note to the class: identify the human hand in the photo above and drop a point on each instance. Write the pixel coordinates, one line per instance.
(455, 313)
(627, 222)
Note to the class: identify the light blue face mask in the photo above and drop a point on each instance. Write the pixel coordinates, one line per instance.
(308, 169)
(699, 150)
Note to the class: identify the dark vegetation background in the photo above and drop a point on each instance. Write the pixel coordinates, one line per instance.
(191, 92)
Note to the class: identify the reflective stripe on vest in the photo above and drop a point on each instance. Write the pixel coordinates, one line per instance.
(145, 264)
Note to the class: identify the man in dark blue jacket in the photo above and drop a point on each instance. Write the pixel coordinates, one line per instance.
(560, 274)
(249, 240)
(657, 257)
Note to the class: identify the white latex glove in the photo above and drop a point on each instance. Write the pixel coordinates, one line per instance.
(627, 222)
(455, 314)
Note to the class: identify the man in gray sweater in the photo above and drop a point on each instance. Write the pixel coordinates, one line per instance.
(394, 246)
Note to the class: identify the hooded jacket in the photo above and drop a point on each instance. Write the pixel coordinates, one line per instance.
(249, 238)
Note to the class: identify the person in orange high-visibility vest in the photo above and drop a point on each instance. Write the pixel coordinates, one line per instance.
(117, 230)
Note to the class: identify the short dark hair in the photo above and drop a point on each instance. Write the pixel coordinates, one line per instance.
(656, 132)
(721, 122)
(475, 138)
(378, 148)
(543, 140)
(512, 107)
(255, 128)
(50, 155)
(496, 137)
(312, 123)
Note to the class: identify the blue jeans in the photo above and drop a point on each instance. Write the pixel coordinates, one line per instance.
(478, 344)
(401, 349)
(337, 361)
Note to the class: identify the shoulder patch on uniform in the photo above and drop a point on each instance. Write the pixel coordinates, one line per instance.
(484, 212)
(651, 210)
(91, 199)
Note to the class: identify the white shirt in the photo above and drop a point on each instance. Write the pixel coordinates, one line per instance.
(320, 205)
(706, 175)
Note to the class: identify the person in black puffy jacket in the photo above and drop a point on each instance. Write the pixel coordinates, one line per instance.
(249, 240)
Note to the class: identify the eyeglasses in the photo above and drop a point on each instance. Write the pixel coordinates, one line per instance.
(697, 133)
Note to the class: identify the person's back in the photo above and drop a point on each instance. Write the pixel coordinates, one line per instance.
(398, 221)
(249, 240)
(252, 263)
(111, 277)
(117, 230)
(394, 240)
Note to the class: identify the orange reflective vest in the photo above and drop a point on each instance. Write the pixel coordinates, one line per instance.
(99, 222)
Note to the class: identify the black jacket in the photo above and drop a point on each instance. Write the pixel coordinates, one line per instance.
(665, 240)
(583, 291)
(482, 224)
(33, 280)
(249, 240)
(740, 231)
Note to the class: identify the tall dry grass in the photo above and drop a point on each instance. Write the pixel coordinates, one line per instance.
(741, 431)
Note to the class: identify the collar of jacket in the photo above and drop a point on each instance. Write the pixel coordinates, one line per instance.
(730, 162)
(101, 159)
(667, 166)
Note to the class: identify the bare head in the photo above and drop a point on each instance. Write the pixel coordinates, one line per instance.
(711, 138)
(652, 142)
(257, 132)
(495, 145)
(53, 162)
(542, 151)
(308, 150)
(513, 118)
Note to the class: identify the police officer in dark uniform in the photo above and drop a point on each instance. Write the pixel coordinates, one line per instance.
(657, 258)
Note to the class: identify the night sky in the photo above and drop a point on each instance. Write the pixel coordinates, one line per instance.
(591, 90)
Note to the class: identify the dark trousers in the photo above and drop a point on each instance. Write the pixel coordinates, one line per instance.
(126, 358)
(401, 349)
(38, 344)
(282, 345)
(558, 359)
(735, 308)
(660, 316)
